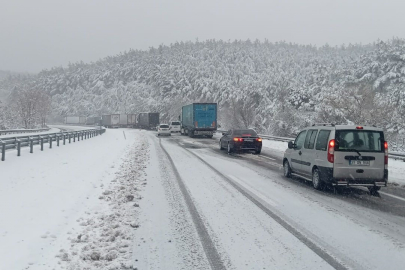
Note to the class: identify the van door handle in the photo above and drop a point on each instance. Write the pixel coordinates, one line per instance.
(300, 153)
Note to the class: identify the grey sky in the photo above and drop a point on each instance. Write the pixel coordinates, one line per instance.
(40, 34)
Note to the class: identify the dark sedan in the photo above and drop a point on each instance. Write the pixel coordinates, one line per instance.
(241, 140)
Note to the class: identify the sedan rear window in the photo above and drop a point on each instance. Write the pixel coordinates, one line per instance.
(360, 140)
(175, 123)
(245, 132)
(164, 126)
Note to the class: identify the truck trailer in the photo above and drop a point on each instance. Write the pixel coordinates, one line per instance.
(123, 120)
(111, 120)
(148, 120)
(131, 120)
(199, 119)
(71, 120)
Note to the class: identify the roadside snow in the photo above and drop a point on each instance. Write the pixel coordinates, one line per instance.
(49, 196)
(51, 130)
(278, 148)
(106, 240)
(396, 172)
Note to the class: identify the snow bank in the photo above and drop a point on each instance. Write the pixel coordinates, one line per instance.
(106, 240)
(52, 195)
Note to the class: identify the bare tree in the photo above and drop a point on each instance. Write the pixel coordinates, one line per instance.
(31, 104)
(44, 107)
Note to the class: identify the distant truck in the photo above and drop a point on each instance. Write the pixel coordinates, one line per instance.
(70, 120)
(148, 120)
(132, 120)
(111, 120)
(123, 120)
(75, 120)
(199, 119)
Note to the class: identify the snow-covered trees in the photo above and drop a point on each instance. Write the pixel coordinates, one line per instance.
(274, 87)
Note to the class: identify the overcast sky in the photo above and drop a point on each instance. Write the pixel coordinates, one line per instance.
(40, 34)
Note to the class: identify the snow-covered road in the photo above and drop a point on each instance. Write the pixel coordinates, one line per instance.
(179, 203)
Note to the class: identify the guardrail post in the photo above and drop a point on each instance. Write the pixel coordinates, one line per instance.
(78, 136)
(50, 141)
(18, 148)
(31, 145)
(3, 150)
(42, 142)
(64, 139)
(70, 137)
(85, 135)
(57, 140)
(74, 137)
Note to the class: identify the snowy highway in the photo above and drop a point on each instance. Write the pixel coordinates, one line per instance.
(150, 202)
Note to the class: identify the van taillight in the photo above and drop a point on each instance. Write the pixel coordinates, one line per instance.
(386, 154)
(331, 151)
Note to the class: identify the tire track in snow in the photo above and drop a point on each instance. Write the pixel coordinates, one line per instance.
(209, 247)
(306, 241)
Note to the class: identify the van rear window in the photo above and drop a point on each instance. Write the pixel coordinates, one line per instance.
(175, 123)
(359, 140)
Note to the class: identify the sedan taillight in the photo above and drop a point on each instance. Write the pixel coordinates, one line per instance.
(238, 139)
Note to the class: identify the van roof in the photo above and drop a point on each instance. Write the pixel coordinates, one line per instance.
(340, 127)
(358, 127)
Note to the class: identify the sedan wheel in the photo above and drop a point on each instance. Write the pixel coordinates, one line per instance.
(316, 180)
(229, 148)
(220, 145)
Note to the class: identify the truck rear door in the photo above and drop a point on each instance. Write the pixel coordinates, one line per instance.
(205, 116)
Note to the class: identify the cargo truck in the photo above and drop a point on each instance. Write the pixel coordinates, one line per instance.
(148, 120)
(111, 120)
(70, 120)
(131, 120)
(123, 120)
(199, 119)
(82, 120)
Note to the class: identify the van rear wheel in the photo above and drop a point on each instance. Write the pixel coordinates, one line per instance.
(373, 190)
(317, 182)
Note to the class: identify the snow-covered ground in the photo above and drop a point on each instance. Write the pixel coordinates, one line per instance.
(51, 130)
(48, 199)
(130, 200)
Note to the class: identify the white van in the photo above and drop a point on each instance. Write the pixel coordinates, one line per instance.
(175, 126)
(341, 155)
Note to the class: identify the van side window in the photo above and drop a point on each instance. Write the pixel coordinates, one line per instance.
(310, 139)
(322, 141)
(299, 141)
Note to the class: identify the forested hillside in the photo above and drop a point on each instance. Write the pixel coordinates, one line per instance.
(274, 87)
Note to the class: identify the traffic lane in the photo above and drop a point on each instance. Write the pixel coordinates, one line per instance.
(354, 234)
(245, 235)
(354, 195)
(272, 160)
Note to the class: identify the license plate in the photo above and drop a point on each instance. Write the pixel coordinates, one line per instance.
(359, 162)
(248, 140)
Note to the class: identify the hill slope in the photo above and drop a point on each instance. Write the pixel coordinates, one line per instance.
(274, 87)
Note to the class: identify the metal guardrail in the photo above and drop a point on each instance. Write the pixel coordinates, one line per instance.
(395, 155)
(14, 131)
(16, 142)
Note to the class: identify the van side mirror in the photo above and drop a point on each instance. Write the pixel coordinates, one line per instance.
(291, 145)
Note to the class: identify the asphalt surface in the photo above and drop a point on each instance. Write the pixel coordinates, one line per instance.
(382, 212)
(390, 199)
